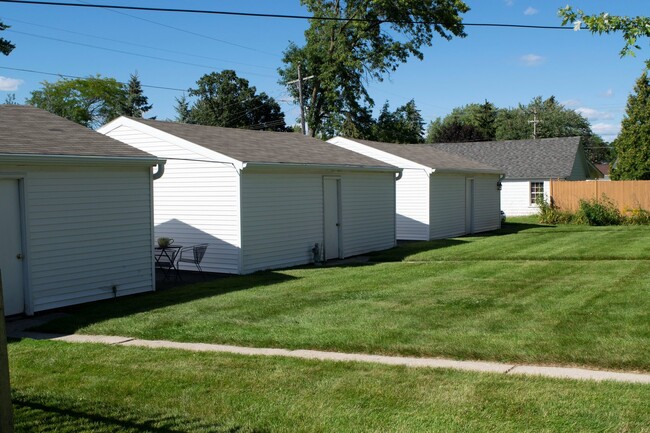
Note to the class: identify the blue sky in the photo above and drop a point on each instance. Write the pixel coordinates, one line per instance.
(501, 65)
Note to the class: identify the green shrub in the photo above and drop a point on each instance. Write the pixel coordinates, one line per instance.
(637, 216)
(601, 212)
(550, 214)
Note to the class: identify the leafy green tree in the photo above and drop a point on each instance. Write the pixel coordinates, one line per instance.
(633, 143)
(554, 120)
(90, 101)
(224, 99)
(472, 122)
(632, 28)
(6, 47)
(351, 41)
(404, 125)
(136, 104)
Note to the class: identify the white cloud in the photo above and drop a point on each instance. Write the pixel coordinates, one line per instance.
(531, 11)
(532, 60)
(606, 130)
(572, 103)
(509, 2)
(608, 93)
(590, 113)
(9, 84)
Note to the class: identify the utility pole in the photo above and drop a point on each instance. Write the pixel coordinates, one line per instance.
(300, 99)
(6, 413)
(535, 121)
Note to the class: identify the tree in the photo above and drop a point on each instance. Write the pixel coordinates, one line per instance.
(472, 122)
(183, 113)
(348, 42)
(224, 99)
(553, 120)
(6, 47)
(633, 143)
(632, 28)
(135, 104)
(404, 125)
(91, 101)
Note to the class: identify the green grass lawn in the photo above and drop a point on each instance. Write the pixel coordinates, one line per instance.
(568, 295)
(59, 387)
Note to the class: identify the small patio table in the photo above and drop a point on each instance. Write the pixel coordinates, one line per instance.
(166, 259)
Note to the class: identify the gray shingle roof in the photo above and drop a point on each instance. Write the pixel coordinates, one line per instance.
(546, 158)
(26, 130)
(265, 146)
(431, 157)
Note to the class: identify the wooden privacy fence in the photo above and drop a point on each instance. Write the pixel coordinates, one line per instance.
(625, 194)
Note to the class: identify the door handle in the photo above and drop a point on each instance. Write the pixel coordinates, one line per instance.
(19, 256)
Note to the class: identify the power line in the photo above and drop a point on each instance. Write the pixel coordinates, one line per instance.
(282, 16)
(130, 53)
(131, 43)
(32, 71)
(189, 32)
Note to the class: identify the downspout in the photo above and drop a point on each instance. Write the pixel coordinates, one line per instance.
(161, 170)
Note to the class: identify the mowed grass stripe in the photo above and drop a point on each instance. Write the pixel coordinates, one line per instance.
(538, 312)
(82, 387)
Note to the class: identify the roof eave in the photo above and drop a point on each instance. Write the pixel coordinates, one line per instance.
(40, 159)
(277, 165)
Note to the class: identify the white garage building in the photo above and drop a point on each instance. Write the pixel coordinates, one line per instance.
(263, 200)
(440, 194)
(75, 211)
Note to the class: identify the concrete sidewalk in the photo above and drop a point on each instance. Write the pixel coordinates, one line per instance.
(16, 330)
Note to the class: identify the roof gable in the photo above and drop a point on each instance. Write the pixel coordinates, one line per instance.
(545, 158)
(434, 158)
(26, 130)
(265, 147)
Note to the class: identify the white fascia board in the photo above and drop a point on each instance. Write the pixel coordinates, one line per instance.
(280, 165)
(349, 144)
(35, 159)
(470, 171)
(210, 155)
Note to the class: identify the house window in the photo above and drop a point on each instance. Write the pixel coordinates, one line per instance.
(536, 190)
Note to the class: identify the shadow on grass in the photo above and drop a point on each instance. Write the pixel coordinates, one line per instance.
(41, 416)
(178, 293)
(409, 248)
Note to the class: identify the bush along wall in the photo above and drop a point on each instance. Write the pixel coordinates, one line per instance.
(594, 212)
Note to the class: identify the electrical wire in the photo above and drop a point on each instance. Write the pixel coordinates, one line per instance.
(131, 43)
(129, 53)
(282, 16)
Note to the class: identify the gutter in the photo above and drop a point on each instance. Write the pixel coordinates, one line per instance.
(276, 165)
(66, 159)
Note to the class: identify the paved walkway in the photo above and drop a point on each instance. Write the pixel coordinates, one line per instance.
(16, 330)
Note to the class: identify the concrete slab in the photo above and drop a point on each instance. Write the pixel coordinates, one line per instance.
(476, 366)
(580, 374)
(100, 339)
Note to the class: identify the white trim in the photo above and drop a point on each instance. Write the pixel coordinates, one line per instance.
(404, 163)
(170, 138)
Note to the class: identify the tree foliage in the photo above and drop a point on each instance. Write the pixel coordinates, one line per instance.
(632, 28)
(351, 41)
(6, 47)
(485, 122)
(136, 103)
(90, 101)
(472, 122)
(224, 99)
(633, 143)
(404, 125)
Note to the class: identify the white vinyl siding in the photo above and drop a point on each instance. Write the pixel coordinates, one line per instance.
(515, 197)
(89, 229)
(282, 219)
(447, 202)
(368, 212)
(413, 205)
(196, 201)
(487, 204)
